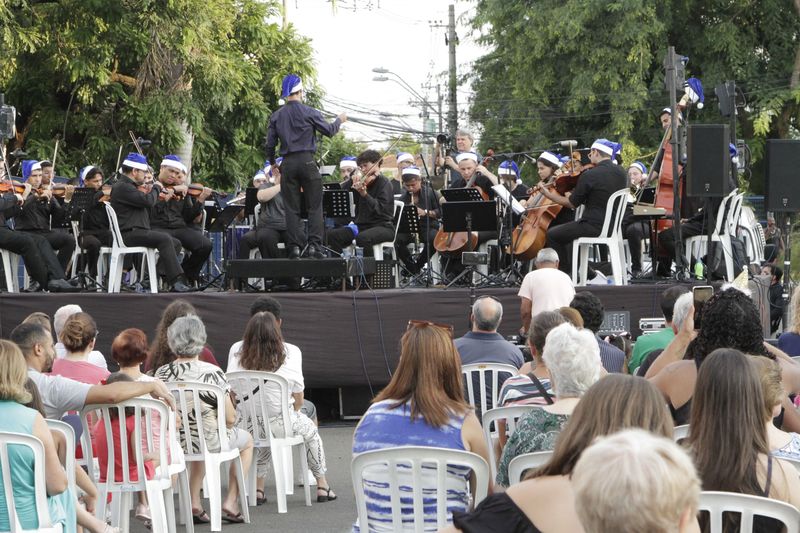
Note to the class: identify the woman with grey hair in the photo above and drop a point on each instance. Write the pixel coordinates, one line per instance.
(572, 358)
(187, 337)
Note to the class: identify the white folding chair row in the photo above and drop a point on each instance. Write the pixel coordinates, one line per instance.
(10, 267)
(510, 415)
(481, 370)
(119, 250)
(187, 397)
(717, 503)
(425, 470)
(610, 237)
(521, 463)
(727, 220)
(248, 386)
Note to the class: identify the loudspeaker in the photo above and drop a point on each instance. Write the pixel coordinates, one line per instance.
(783, 171)
(709, 161)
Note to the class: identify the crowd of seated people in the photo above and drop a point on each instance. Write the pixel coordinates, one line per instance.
(608, 435)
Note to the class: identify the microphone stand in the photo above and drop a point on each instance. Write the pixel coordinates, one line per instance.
(426, 182)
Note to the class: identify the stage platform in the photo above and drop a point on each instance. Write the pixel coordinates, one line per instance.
(347, 338)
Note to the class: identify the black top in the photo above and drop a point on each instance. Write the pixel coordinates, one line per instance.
(497, 512)
(296, 125)
(273, 212)
(9, 207)
(481, 181)
(36, 212)
(595, 187)
(175, 213)
(95, 217)
(376, 208)
(427, 200)
(132, 205)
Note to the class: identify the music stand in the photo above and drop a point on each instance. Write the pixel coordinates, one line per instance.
(469, 194)
(82, 200)
(219, 224)
(337, 203)
(250, 201)
(469, 217)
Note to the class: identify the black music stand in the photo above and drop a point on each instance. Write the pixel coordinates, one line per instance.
(469, 194)
(219, 224)
(337, 203)
(250, 201)
(468, 216)
(82, 200)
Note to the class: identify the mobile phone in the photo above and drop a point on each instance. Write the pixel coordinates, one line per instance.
(701, 295)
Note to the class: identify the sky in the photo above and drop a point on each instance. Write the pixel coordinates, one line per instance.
(359, 35)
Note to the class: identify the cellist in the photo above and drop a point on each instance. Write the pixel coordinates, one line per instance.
(595, 186)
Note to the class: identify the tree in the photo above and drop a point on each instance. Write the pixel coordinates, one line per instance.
(183, 73)
(578, 70)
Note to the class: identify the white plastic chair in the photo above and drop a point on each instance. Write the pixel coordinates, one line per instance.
(193, 435)
(72, 266)
(510, 415)
(378, 249)
(482, 369)
(119, 250)
(680, 432)
(727, 219)
(610, 236)
(158, 489)
(256, 415)
(10, 267)
(717, 503)
(752, 234)
(39, 485)
(521, 463)
(69, 437)
(425, 470)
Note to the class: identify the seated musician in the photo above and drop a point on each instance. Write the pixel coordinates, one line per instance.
(404, 160)
(59, 220)
(95, 231)
(595, 186)
(39, 206)
(547, 164)
(374, 207)
(508, 171)
(346, 168)
(132, 200)
(270, 229)
(427, 204)
(173, 213)
(475, 174)
(635, 230)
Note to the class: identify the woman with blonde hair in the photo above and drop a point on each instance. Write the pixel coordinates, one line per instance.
(423, 405)
(544, 501)
(782, 444)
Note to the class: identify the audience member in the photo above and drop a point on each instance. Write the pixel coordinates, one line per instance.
(263, 349)
(60, 394)
(774, 295)
(659, 340)
(262, 304)
(684, 305)
(186, 337)
(591, 310)
(653, 476)
(728, 436)
(160, 352)
(15, 417)
(729, 320)
(423, 405)
(543, 289)
(483, 344)
(129, 351)
(59, 319)
(573, 361)
(544, 501)
(37, 317)
(789, 340)
(78, 337)
(781, 444)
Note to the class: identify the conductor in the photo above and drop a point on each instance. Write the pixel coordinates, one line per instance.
(295, 125)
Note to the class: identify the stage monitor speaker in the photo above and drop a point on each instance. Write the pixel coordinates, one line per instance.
(709, 161)
(783, 171)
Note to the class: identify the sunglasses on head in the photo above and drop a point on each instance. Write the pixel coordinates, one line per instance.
(426, 323)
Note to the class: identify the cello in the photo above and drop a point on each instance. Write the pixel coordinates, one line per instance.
(530, 235)
(455, 242)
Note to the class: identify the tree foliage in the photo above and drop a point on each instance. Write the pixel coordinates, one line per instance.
(566, 69)
(89, 71)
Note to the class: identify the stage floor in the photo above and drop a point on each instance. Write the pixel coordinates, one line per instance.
(347, 338)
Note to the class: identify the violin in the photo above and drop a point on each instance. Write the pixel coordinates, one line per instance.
(193, 189)
(58, 190)
(12, 186)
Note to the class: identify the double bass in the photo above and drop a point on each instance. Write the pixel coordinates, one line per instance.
(530, 235)
(455, 242)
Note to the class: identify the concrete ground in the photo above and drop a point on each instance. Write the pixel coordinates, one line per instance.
(336, 516)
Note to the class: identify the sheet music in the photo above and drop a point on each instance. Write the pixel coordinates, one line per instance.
(505, 195)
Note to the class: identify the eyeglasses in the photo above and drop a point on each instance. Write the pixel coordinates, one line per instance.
(426, 323)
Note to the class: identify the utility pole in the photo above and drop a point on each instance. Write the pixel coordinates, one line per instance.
(452, 113)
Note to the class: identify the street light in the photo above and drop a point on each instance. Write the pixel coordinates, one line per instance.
(404, 84)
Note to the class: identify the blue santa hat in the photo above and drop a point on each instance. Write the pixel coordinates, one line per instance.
(605, 146)
(552, 158)
(411, 171)
(83, 173)
(134, 160)
(348, 161)
(640, 166)
(508, 168)
(734, 153)
(564, 159)
(28, 166)
(404, 156)
(694, 90)
(173, 161)
(291, 84)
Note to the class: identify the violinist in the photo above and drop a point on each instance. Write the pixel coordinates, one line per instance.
(132, 200)
(40, 260)
(37, 210)
(59, 219)
(95, 231)
(635, 230)
(424, 198)
(374, 207)
(347, 166)
(175, 211)
(595, 186)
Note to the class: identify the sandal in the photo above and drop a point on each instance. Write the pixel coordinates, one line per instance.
(232, 518)
(200, 516)
(327, 497)
(261, 499)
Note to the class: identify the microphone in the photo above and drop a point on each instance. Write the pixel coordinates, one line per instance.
(568, 143)
(144, 143)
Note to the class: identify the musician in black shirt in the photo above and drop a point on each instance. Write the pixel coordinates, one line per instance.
(374, 207)
(424, 198)
(34, 217)
(132, 200)
(174, 215)
(595, 187)
(95, 232)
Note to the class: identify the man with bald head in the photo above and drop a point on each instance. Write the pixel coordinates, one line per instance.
(483, 344)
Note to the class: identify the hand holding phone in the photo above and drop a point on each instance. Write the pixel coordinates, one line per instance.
(701, 295)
